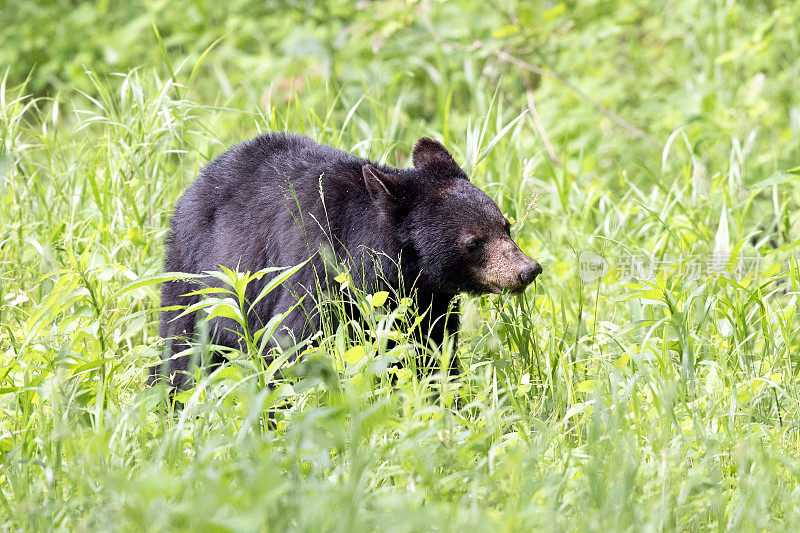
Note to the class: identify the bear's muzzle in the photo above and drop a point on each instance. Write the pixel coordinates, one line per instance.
(507, 268)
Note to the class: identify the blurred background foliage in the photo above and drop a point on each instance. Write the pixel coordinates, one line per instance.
(660, 128)
(722, 70)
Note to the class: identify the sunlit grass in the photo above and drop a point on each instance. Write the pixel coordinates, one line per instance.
(618, 404)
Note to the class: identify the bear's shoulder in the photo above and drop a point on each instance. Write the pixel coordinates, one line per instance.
(289, 147)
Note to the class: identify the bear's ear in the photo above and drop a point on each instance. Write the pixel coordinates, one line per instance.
(383, 188)
(428, 153)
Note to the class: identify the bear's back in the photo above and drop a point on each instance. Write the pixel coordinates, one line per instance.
(260, 204)
(278, 157)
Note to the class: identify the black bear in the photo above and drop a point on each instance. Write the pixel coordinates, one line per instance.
(280, 199)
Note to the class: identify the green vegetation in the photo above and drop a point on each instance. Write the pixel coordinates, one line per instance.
(665, 131)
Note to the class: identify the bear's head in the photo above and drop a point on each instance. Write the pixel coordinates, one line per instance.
(453, 233)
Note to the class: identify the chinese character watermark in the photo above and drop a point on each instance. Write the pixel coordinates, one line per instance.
(638, 267)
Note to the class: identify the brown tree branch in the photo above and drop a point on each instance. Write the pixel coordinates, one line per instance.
(537, 122)
(505, 57)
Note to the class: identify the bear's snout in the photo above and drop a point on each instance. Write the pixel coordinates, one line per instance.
(507, 267)
(529, 272)
(526, 271)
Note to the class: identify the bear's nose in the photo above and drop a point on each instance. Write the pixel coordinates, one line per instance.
(530, 272)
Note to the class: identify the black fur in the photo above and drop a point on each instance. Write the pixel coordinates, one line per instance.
(279, 199)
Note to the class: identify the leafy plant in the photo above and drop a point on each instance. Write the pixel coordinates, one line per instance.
(659, 393)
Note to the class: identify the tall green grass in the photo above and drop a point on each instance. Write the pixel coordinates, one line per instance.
(618, 404)
(663, 403)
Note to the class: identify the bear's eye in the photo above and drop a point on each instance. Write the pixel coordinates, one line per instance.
(507, 228)
(472, 243)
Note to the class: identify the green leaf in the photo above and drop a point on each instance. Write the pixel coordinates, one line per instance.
(226, 309)
(779, 178)
(153, 279)
(499, 136)
(184, 396)
(202, 58)
(211, 290)
(269, 329)
(229, 372)
(505, 31)
(284, 390)
(276, 281)
(379, 298)
(354, 354)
